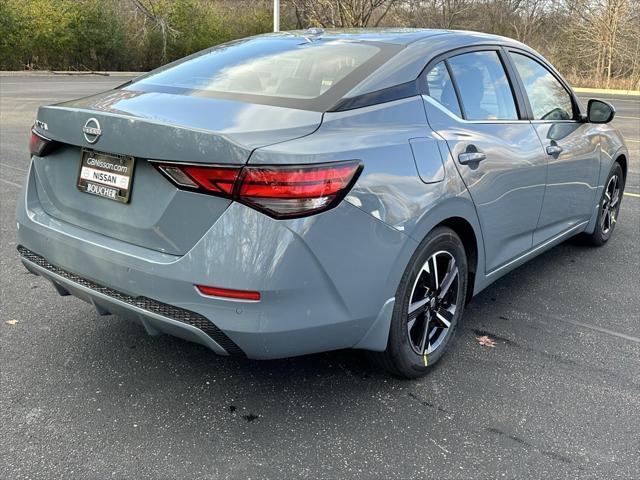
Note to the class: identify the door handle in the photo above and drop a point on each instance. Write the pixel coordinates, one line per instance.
(554, 150)
(471, 157)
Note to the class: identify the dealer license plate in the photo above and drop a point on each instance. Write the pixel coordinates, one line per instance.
(106, 175)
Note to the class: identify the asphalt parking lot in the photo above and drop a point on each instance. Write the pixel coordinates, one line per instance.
(84, 396)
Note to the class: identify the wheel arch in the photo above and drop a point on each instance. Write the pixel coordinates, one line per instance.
(465, 231)
(621, 155)
(459, 214)
(621, 158)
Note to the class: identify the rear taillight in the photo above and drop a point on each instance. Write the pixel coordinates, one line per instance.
(279, 191)
(285, 191)
(40, 145)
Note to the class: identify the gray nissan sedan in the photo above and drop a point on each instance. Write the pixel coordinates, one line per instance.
(316, 190)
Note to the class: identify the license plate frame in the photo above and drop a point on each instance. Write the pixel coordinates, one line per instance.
(106, 175)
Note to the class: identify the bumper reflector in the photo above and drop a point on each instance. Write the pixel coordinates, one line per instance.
(229, 293)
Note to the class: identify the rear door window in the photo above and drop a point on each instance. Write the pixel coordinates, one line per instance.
(548, 98)
(441, 88)
(485, 92)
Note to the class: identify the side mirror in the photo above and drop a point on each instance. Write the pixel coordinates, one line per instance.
(599, 111)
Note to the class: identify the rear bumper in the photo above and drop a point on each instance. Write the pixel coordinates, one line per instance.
(155, 316)
(326, 282)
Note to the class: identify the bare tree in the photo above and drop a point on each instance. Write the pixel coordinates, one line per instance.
(604, 37)
(158, 21)
(341, 13)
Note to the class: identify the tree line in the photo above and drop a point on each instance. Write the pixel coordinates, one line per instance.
(593, 42)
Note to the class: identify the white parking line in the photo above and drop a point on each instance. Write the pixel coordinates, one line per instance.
(11, 166)
(546, 316)
(596, 328)
(10, 183)
(629, 194)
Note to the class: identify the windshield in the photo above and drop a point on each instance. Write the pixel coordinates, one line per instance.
(283, 71)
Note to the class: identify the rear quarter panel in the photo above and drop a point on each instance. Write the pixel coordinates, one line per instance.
(389, 187)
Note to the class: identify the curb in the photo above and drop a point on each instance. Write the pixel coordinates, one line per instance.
(606, 91)
(53, 73)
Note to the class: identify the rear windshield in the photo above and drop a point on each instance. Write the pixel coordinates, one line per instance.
(283, 71)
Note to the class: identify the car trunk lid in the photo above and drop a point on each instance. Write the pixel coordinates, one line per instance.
(154, 126)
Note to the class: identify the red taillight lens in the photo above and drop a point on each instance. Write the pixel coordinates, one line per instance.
(280, 191)
(214, 179)
(40, 145)
(291, 191)
(229, 293)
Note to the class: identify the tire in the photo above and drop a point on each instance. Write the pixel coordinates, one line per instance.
(409, 353)
(608, 207)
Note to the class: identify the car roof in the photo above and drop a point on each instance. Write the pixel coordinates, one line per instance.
(397, 36)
